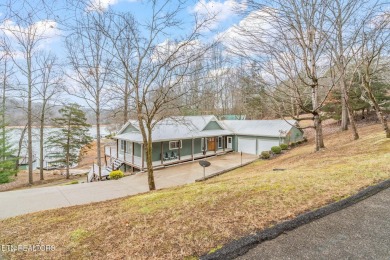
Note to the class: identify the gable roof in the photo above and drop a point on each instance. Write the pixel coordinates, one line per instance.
(269, 128)
(174, 128)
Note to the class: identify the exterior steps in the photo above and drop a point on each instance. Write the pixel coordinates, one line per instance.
(115, 165)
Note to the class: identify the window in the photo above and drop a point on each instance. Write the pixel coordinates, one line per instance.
(173, 145)
(219, 141)
(128, 147)
(123, 145)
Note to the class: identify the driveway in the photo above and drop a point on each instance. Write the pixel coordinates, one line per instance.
(361, 231)
(19, 202)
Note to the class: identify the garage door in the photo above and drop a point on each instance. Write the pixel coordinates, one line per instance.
(247, 145)
(265, 145)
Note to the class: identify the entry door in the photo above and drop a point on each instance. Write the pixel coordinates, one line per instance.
(210, 144)
(229, 142)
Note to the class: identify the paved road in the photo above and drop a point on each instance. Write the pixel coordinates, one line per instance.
(19, 202)
(361, 231)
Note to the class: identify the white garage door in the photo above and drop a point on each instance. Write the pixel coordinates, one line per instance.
(247, 145)
(265, 145)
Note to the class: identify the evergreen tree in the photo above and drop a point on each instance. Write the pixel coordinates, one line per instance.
(71, 137)
(7, 161)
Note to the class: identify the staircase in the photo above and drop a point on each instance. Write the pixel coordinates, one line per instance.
(115, 165)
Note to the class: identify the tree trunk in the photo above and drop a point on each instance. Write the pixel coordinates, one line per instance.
(98, 141)
(29, 120)
(378, 110)
(352, 120)
(41, 142)
(126, 100)
(149, 160)
(344, 108)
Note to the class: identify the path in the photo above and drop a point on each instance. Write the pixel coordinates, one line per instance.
(19, 202)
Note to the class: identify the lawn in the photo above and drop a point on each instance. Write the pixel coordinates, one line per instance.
(194, 219)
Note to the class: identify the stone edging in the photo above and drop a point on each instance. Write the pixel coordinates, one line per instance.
(243, 245)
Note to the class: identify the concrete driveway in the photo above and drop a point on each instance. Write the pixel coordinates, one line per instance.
(361, 231)
(19, 202)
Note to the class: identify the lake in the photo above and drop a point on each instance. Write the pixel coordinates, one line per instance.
(15, 133)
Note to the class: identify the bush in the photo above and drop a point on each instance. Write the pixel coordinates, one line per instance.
(265, 155)
(115, 175)
(276, 149)
(284, 146)
(293, 144)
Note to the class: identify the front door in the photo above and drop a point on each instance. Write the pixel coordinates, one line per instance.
(211, 144)
(229, 142)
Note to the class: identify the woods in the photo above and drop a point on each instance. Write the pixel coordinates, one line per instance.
(278, 59)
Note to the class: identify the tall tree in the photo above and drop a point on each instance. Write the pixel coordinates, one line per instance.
(25, 28)
(48, 86)
(90, 58)
(159, 66)
(374, 57)
(289, 46)
(72, 136)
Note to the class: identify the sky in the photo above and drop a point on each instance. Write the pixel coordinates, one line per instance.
(225, 16)
(54, 32)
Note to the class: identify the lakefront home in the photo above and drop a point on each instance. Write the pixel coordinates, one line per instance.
(188, 138)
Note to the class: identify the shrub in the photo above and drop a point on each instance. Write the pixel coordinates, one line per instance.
(276, 149)
(293, 144)
(265, 155)
(115, 175)
(284, 146)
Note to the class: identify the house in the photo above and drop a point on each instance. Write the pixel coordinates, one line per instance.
(188, 138)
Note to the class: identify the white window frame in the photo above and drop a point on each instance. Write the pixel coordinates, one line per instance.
(175, 142)
(122, 145)
(129, 147)
(220, 146)
(203, 144)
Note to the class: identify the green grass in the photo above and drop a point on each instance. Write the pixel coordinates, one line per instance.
(195, 219)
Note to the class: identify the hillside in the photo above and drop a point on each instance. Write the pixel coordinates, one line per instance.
(193, 219)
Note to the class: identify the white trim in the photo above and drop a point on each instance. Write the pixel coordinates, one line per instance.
(175, 148)
(229, 145)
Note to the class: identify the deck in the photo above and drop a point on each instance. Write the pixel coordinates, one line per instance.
(136, 161)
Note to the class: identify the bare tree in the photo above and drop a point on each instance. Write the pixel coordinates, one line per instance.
(47, 87)
(289, 46)
(25, 30)
(159, 67)
(90, 58)
(373, 56)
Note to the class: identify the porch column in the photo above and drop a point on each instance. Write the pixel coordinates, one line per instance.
(223, 142)
(192, 149)
(215, 144)
(124, 151)
(117, 148)
(180, 142)
(132, 155)
(161, 154)
(142, 156)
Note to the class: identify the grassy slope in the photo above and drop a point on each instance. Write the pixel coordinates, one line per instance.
(193, 219)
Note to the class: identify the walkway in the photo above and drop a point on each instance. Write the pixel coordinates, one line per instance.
(19, 202)
(361, 231)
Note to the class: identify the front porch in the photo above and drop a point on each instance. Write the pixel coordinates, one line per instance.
(167, 153)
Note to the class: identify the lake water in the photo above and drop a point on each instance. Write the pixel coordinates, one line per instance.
(15, 133)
